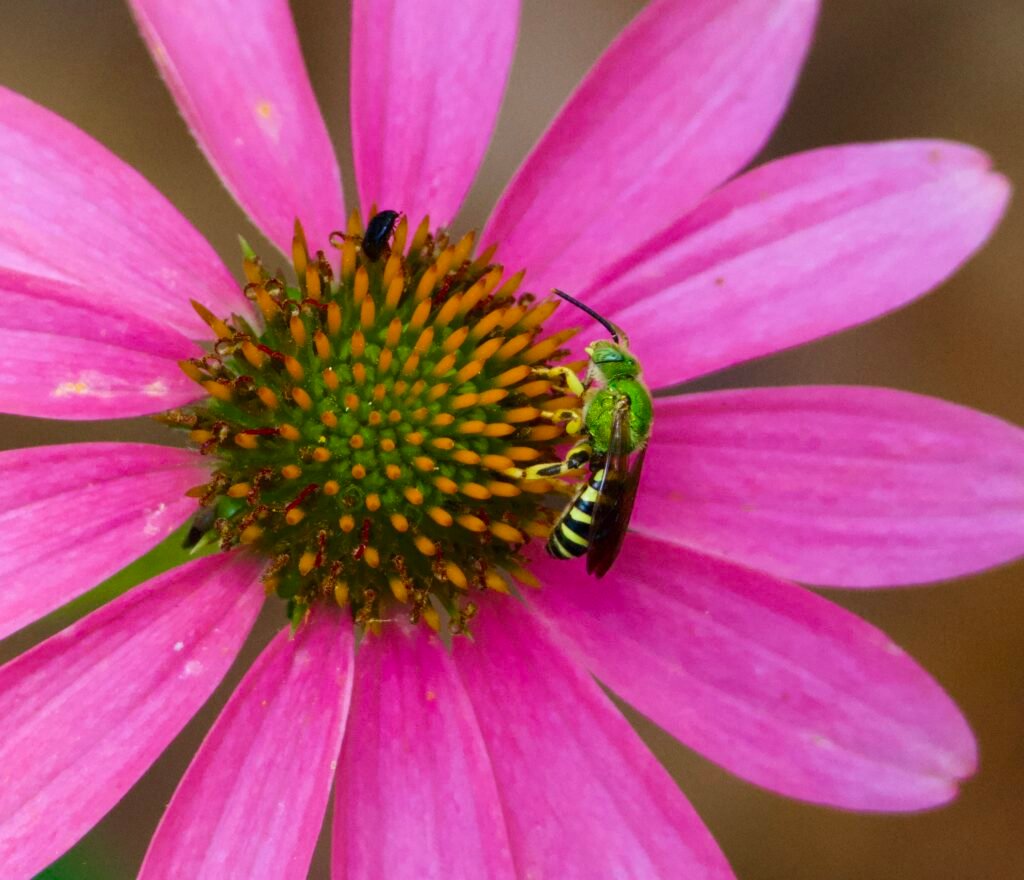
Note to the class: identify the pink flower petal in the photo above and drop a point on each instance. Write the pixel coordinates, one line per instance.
(427, 80)
(64, 353)
(84, 714)
(414, 771)
(112, 501)
(582, 795)
(774, 683)
(237, 75)
(801, 248)
(254, 797)
(845, 486)
(70, 209)
(683, 99)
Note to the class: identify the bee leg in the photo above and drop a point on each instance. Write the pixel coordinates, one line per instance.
(567, 377)
(577, 458)
(573, 419)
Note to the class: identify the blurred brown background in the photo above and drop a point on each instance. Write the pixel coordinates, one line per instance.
(879, 69)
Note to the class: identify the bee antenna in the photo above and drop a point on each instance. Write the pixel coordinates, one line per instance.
(604, 322)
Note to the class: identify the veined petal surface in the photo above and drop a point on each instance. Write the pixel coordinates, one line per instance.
(73, 515)
(416, 796)
(85, 713)
(236, 72)
(70, 209)
(682, 100)
(427, 81)
(844, 486)
(764, 677)
(583, 797)
(252, 802)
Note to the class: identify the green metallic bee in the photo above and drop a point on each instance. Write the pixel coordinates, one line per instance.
(613, 426)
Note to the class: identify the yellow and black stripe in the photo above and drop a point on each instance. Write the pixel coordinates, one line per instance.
(570, 536)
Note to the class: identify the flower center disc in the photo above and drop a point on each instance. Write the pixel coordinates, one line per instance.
(360, 439)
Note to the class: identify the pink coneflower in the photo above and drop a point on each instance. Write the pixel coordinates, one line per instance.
(355, 419)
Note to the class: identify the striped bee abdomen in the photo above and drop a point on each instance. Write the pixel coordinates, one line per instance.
(570, 536)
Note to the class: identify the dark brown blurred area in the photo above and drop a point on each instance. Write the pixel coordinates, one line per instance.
(879, 69)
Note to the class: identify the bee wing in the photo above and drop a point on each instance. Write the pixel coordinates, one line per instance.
(617, 488)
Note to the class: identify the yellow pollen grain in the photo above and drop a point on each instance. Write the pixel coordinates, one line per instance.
(510, 317)
(291, 472)
(471, 523)
(522, 453)
(442, 420)
(341, 593)
(426, 286)
(307, 562)
(485, 325)
(464, 248)
(444, 261)
(444, 443)
(321, 454)
(399, 522)
(413, 495)
(465, 401)
(419, 237)
(419, 414)
(424, 463)
(441, 516)
(220, 390)
(252, 270)
(379, 390)
(373, 502)
(475, 490)
(331, 487)
(246, 441)
(331, 379)
(493, 395)
(391, 267)
(356, 441)
(515, 345)
(333, 319)
(294, 516)
(398, 589)
(358, 373)
(289, 432)
(329, 419)
(346, 523)
(387, 444)
(394, 333)
(417, 389)
(371, 556)
(351, 401)
(300, 251)
(466, 456)
(521, 414)
(456, 575)
(455, 340)
(239, 490)
(543, 350)
(472, 296)
(424, 545)
(367, 313)
(566, 401)
(537, 529)
(541, 433)
(253, 355)
(420, 315)
(426, 339)
(361, 285)
(446, 485)
(400, 387)
(348, 258)
(438, 390)
(486, 350)
(392, 471)
(322, 345)
(354, 227)
(538, 315)
(266, 303)
(267, 397)
(385, 360)
(250, 534)
(411, 364)
(294, 368)
(538, 487)
(375, 418)
(512, 285)
(448, 311)
(524, 577)
(431, 618)
(358, 472)
(498, 429)
(395, 289)
(510, 377)
(471, 426)
(313, 282)
(298, 330)
(501, 489)
(213, 322)
(358, 344)
(302, 398)
(495, 582)
(200, 436)
(469, 371)
(191, 370)
(499, 463)
(401, 234)
(394, 417)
